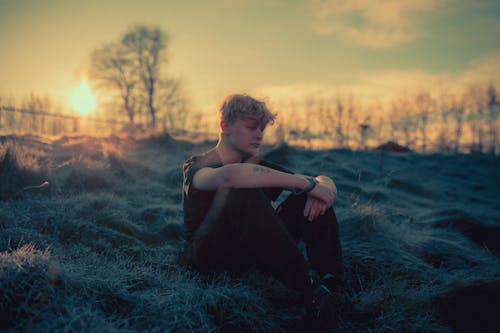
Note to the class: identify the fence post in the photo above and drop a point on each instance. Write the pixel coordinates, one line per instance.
(75, 124)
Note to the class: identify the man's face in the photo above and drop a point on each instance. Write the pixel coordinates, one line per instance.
(245, 135)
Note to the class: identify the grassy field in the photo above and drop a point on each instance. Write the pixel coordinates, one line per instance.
(90, 229)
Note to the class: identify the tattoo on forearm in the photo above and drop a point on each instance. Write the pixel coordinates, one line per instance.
(260, 169)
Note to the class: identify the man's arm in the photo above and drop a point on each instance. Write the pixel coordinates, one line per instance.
(248, 175)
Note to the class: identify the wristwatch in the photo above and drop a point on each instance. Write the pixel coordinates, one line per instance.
(308, 188)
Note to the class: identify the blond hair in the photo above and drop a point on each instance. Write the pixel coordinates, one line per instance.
(242, 105)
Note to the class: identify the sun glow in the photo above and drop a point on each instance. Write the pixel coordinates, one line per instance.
(82, 100)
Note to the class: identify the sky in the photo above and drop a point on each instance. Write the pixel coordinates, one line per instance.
(279, 49)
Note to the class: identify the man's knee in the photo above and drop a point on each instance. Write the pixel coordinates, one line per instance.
(246, 196)
(246, 191)
(228, 201)
(232, 207)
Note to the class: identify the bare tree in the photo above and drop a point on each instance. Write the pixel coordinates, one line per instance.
(457, 111)
(480, 121)
(339, 126)
(476, 102)
(350, 126)
(394, 122)
(196, 126)
(36, 105)
(493, 106)
(172, 104)
(10, 117)
(322, 127)
(131, 69)
(148, 47)
(444, 142)
(113, 69)
(364, 128)
(424, 103)
(329, 121)
(309, 111)
(378, 127)
(292, 121)
(406, 119)
(401, 121)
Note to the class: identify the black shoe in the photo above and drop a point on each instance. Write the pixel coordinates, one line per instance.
(310, 321)
(327, 300)
(323, 308)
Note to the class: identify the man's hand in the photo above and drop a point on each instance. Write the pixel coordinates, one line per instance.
(320, 198)
(314, 208)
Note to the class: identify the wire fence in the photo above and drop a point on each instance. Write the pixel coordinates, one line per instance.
(38, 121)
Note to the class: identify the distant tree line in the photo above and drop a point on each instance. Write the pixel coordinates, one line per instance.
(469, 122)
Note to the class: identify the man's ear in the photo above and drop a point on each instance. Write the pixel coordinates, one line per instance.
(224, 126)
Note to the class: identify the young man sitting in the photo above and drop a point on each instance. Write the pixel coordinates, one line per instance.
(230, 222)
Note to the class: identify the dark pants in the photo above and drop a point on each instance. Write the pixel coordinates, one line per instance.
(242, 229)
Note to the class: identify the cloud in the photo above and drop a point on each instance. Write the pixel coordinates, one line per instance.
(376, 24)
(483, 69)
(367, 87)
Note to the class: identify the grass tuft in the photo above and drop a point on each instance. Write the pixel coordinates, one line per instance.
(19, 171)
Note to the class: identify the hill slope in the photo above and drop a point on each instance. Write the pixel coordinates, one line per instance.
(95, 248)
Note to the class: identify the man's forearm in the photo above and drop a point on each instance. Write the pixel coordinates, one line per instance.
(248, 175)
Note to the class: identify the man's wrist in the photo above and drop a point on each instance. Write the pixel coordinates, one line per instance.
(309, 187)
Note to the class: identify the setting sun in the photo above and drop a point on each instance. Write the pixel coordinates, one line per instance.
(82, 100)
